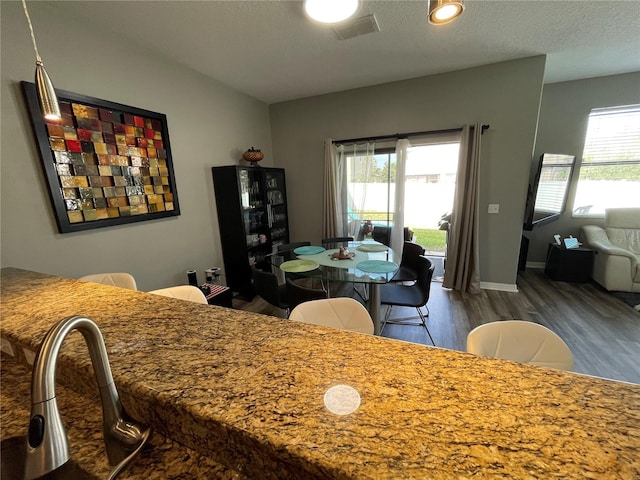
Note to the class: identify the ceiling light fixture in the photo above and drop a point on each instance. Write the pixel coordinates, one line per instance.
(444, 11)
(46, 92)
(330, 11)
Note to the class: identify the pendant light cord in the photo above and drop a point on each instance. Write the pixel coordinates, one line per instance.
(33, 38)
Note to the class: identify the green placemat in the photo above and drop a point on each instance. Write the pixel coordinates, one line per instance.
(296, 266)
(372, 247)
(308, 250)
(377, 266)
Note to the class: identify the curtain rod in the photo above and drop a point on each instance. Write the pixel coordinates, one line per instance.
(404, 135)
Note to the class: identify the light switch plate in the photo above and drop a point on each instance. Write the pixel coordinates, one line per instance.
(494, 208)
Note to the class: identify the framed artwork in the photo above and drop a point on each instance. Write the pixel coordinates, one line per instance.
(106, 163)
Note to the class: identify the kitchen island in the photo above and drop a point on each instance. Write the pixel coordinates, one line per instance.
(248, 392)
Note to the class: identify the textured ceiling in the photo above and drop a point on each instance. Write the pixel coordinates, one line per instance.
(271, 51)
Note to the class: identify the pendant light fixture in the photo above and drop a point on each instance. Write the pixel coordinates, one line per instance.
(46, 93)
(330, 11)
(444, 11)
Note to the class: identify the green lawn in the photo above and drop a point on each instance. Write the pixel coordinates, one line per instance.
(431, 240)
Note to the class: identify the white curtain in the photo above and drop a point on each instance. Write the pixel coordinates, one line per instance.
(397, 232)
(332, 223)
(356, 163)
(462, 270)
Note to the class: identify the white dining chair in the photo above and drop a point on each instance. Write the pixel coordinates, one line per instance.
(520, 341)
(124, 280)
(183, 292)
(339, 312)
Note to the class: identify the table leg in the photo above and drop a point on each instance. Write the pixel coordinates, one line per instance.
(373, 306)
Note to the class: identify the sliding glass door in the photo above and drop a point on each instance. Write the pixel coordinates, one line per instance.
(429, 180)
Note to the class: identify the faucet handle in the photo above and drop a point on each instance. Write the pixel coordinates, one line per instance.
(123, 437)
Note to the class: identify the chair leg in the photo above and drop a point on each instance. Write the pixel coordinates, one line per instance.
(424, 323)
(363, 295)
(386, 318)
(400, 321)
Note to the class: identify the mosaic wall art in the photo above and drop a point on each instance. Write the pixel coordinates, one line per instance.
(106, 163)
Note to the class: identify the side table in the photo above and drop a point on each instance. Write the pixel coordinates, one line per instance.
(569, 264)
(219, 295)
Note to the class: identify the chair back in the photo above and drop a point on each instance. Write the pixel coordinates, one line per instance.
(409, 263)
(183, 292)
(340, 312)
(336, 242)
(410, 253)
(291, 246)
(297, 294)
(424, 271)
(520, 341)
(382, 234)
(266, 285)
(123, 280)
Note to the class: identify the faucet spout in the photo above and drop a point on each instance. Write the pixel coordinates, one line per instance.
(47, 443)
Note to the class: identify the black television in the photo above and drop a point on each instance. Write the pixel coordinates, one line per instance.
(548, 189)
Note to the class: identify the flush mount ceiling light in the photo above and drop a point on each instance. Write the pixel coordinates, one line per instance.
(46, 93)
(444, 11)
(330, 11)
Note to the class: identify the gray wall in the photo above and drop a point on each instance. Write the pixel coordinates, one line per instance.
(209, 124)
(504, 95)
(562, 127)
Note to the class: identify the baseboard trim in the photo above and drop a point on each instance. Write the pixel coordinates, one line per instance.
(503, 287)
(535, 265)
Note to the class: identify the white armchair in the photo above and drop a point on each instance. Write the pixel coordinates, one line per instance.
(617, 249)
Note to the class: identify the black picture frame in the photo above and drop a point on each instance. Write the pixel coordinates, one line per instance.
(99, 178)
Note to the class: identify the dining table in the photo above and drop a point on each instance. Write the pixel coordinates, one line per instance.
(369, 263)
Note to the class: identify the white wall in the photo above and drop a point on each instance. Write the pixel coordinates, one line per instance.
(563, 124)
(209, 124)
(504, 95)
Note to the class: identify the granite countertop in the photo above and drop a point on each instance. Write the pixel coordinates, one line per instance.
(247, 390)
(161, 458)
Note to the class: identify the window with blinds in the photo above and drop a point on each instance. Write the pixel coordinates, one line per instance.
(610, 166)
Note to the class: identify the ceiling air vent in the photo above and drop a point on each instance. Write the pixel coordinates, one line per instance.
(357, 27)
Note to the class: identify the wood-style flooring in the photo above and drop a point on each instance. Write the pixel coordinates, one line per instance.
(602, 332)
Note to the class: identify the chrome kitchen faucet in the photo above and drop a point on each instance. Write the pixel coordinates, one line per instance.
(47, 444)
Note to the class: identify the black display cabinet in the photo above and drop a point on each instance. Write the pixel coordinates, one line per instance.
(252, 217)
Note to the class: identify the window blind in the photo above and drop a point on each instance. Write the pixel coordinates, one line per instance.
(613, 136)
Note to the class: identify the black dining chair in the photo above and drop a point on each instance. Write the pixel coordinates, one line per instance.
(416, 295)
(336, 242)
(266, 285)
(383, 234)
(407, 271)
(291, 246)
(297, 294)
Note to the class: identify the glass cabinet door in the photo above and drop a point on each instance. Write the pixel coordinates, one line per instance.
(252, 200)
(276, 207)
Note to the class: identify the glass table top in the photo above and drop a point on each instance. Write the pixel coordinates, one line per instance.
(366, 262)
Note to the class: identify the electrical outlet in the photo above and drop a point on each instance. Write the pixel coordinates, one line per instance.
(494, 208)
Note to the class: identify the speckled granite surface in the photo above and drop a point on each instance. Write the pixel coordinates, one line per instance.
(248, 391)
(82, 417)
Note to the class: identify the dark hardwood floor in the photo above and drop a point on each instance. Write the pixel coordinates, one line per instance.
(602, 332)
